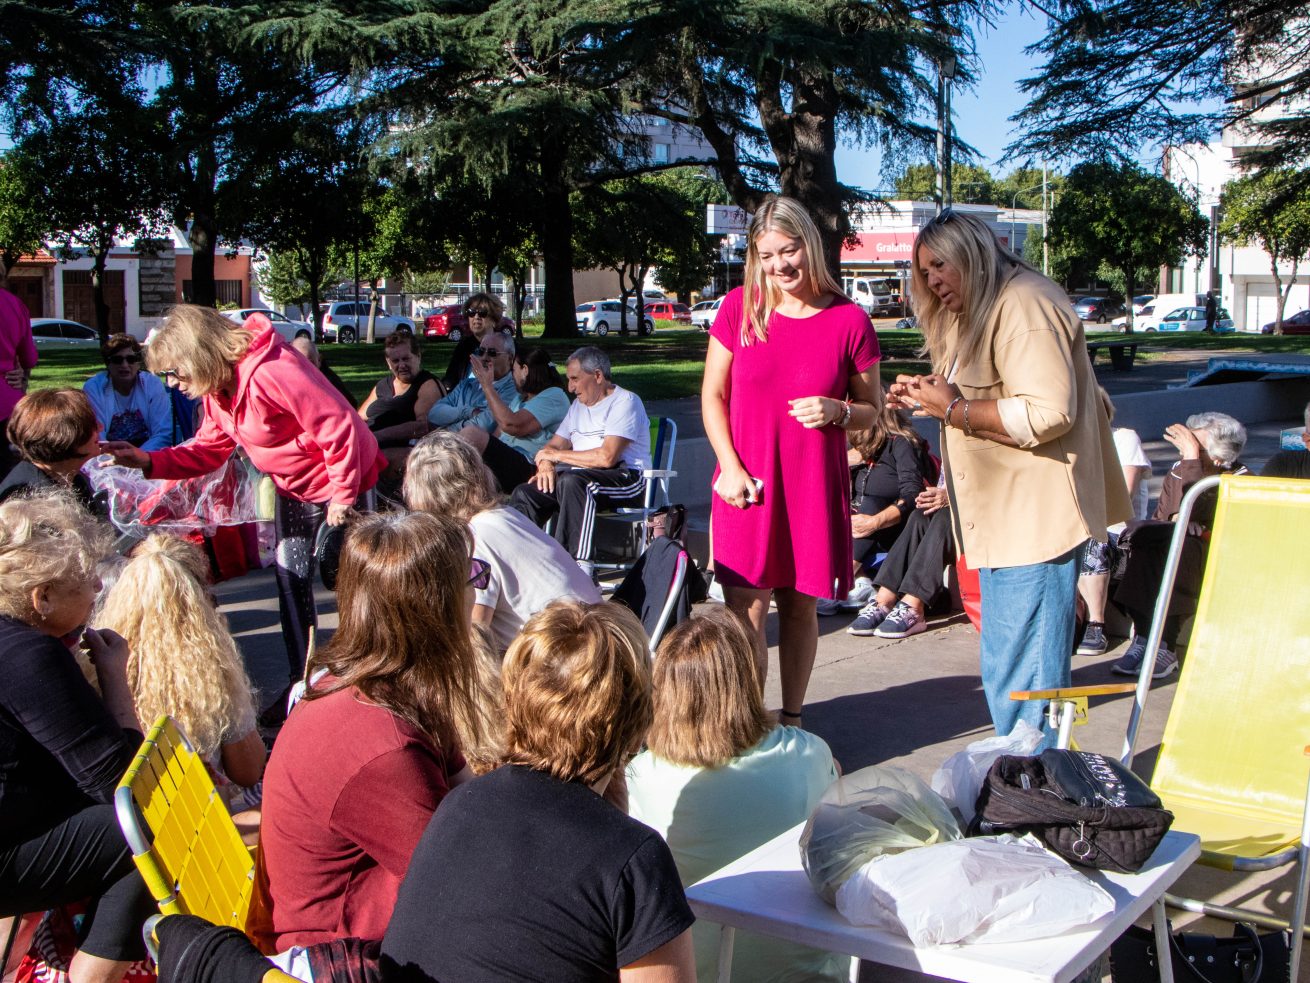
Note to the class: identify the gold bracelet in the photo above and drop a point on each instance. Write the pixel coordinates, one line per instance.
(968, 430)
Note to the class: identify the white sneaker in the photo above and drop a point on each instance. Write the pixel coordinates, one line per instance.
(860, 594)
(715, 593)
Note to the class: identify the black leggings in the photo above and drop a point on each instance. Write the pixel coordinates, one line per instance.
(916, 560)
(83, 857)
(295, 524)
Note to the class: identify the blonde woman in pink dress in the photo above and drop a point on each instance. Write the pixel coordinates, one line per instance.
(791, 366)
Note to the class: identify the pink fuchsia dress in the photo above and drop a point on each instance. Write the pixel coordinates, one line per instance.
(799, 534)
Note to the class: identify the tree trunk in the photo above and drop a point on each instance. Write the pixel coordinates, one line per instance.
(98, 291)
(1130, 288)
(1278, 291)
(310, 261)
(804, 142)
(556, 235)
(203, 237)
(371, 335)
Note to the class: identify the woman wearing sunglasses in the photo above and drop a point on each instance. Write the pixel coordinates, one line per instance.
(131, 405)
(1030, 463)
(382, 735)
(482, 313)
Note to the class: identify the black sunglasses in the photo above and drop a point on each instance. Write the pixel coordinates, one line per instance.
(123, 359)
(477, 312)
(487, 353)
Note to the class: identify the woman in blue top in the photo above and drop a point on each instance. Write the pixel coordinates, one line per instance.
(523, 430)
(130, 405)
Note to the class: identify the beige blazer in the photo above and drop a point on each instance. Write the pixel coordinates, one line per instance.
(1013, 506)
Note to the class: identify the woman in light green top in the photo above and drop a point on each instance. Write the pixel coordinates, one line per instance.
(523, 428)
(719, 779)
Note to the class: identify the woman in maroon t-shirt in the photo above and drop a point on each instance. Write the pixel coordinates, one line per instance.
(382, 736)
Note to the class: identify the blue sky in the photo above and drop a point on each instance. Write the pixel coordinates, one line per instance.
(982, 113)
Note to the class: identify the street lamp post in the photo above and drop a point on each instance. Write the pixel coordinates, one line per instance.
(945, 73)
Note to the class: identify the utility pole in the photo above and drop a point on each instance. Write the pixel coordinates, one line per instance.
(945, 73)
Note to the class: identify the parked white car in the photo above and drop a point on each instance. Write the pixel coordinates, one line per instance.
(345, 321)
(704, 313)
(282, 324)
(600, 317)
(1193, 319)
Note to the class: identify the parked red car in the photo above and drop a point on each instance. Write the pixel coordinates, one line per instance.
(665, 310)
(449, 322)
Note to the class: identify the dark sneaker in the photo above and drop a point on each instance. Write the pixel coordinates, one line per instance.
(870, 617)
(826, 606)
(1130, 663)
(1093, 642)
(903, 622)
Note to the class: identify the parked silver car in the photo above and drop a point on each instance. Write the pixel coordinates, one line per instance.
(346, 320)
(283, 325)
(54, 332)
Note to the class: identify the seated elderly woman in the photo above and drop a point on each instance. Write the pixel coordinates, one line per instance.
(381, 738)
(719, 778)
(56, 432)
(511, 452)
(131, 405)
(526, 568)
(184, 661)
(397, 407)
(529, 873)
(890, 464)
(1208, 444)
(63, 748)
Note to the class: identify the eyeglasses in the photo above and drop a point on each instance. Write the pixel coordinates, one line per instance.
(479, 574)
(487, 353)
(477, 312)
(123, 359)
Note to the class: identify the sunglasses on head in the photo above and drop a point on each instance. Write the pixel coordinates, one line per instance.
(479, 574)
(477, 312)
(123, 359)
(486, 353)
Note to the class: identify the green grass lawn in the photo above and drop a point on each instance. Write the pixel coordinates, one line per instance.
(665, 365)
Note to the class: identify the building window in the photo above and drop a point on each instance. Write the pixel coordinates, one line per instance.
(225, 292)
(660, 152)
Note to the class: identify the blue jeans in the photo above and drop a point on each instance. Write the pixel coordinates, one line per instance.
(1027, 635)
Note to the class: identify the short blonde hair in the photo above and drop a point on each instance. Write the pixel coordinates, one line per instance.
(46, 538)
(183, 660)
(577, 691)
(203, 344)
(444, 474)
(708, 707)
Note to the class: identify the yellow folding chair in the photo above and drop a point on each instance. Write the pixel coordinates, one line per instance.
(183, 840)
(1232, 765)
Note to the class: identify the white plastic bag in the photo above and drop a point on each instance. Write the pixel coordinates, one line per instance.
(960, 778)
(866, 814)
(984, 889)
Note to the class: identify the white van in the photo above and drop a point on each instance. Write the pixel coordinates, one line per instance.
(876, 296)
(1162, 306)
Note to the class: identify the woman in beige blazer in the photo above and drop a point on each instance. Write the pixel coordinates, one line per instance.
(1026, 447)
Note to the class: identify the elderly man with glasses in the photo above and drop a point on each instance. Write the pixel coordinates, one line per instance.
(466, 404)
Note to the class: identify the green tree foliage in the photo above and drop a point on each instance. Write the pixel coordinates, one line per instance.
(1271, 210)
(1022, 188)
(283, 279)
(94, 173)
(687, 262)
(1127, 219)
(970, 184)
(23, 222)
(1122, 74)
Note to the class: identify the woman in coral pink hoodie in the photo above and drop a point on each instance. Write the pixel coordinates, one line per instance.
(264, 397)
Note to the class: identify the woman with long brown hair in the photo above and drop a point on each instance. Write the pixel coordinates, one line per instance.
(369, 753)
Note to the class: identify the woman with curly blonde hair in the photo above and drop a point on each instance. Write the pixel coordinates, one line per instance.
(183, 660)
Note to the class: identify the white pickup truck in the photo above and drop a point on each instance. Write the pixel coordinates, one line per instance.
(876, 297)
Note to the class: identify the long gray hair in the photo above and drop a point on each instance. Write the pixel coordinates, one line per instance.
(966, 242)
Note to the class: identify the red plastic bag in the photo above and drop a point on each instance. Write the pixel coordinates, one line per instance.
(970, 592)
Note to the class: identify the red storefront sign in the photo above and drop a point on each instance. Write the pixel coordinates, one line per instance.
(886, 247)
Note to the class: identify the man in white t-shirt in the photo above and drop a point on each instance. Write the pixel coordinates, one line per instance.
(595, 457)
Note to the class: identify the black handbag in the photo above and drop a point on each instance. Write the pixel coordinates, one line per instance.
(1243, 957)
(1087, 808)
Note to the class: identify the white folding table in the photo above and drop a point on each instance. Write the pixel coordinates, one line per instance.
(767, 892)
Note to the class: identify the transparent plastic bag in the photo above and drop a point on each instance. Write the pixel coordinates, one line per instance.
(228, 496)
(960, 778)
(866, 814)
(983, 889)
